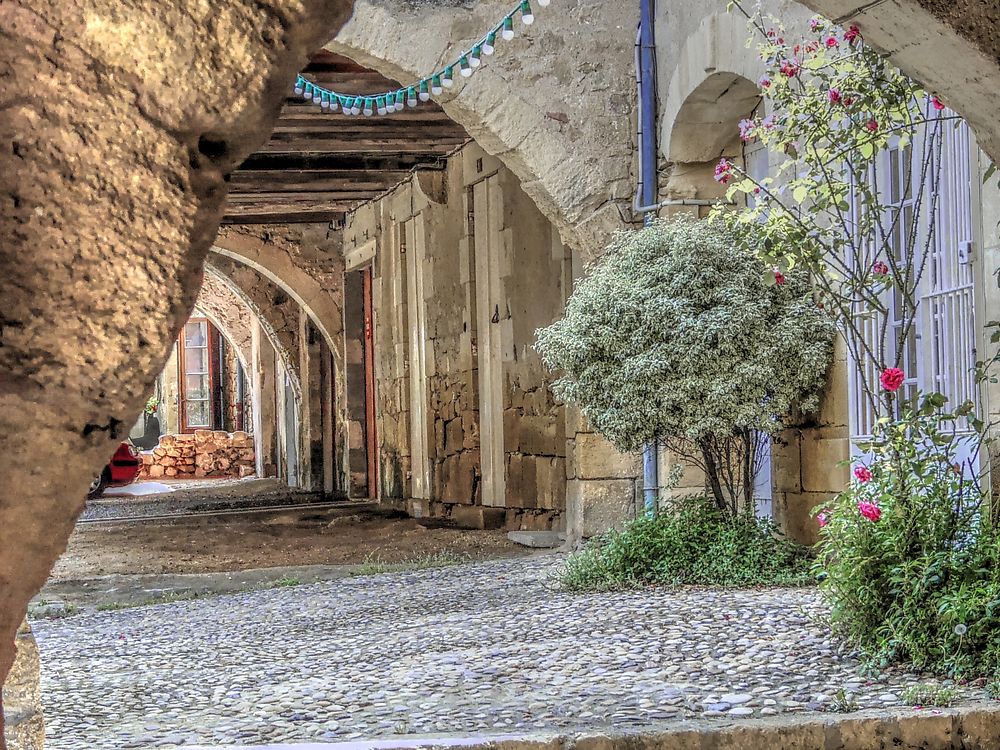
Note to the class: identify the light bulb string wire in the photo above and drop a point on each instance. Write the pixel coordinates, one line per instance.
(420, 91)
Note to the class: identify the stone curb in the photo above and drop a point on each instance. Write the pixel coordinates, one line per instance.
(975, 727)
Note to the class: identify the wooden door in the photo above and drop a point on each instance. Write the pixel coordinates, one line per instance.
(491, 309)
(371, 442)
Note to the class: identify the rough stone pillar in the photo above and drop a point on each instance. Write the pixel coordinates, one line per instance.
(263, 384)
(118, 124)
(25, 729)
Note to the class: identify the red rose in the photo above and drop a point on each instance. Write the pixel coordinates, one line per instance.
(892, 378)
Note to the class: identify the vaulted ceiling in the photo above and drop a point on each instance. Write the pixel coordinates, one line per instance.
(317, 166)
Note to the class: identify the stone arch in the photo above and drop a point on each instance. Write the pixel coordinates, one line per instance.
(228, 312)
(281, 331)
(711, 88)
(951, 48)
(554, 105)
(312, 288)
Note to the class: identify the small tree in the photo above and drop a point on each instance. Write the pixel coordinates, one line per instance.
(675, 335)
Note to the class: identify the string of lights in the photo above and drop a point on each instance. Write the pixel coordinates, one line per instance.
(387, 102)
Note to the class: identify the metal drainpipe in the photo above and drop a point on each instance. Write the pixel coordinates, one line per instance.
(646, 74)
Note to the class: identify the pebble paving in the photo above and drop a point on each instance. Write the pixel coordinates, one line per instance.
(491, 647)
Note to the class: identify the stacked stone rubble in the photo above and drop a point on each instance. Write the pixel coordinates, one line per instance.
(205, 453)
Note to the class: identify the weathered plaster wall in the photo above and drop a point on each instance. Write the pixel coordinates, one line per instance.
(554, 104)
(118, 124)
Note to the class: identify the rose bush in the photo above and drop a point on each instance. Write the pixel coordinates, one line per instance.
(907, 558)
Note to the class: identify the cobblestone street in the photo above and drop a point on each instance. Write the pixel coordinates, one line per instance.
(489, 647)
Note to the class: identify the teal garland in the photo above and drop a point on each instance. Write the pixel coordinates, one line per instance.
(410, 96)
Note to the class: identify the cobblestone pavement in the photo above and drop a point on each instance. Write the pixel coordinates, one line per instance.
(488, 647)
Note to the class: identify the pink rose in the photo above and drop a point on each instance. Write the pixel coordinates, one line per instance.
(832, 41)
(938, 104)
(746, 129)
(764, 82)
(862, 474)
(892, 378)
(870, 511)
(834, 96)
(872, 126)
(789, 68)
(779, 278)
(822, 519)
(852, 34)
(723, 171)
(880, 268)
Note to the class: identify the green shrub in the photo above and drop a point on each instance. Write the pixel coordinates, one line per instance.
(907, 560)
(694, 543)
(676, 334)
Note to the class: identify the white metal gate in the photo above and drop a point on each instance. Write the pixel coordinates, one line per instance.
(939, 354)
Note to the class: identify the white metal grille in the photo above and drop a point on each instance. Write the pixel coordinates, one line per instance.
(939, 355)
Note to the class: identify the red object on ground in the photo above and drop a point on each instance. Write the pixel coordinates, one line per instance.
(124, 465)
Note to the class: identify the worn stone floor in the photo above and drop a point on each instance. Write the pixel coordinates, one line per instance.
(488, 647)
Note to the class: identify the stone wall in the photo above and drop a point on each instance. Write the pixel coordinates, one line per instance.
(204, 453)
(22, 722)
(440, 233)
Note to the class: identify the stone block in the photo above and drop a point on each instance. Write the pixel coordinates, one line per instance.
(478, 517)
(528, 495)
(541, 435)
(537, 539)
(170, 471)
(512, 430)
(454, 436)
(167, 441)
(596, 458)
(550, 482)
(820, 458)
(155, 471)
(458, 475)
(202, 436)
(470, 429)
(594, 507)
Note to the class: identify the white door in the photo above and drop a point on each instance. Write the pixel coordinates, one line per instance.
(491, 306)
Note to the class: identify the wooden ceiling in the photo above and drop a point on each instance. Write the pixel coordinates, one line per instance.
(318, 166)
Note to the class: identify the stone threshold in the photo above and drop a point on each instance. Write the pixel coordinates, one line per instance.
(971, 727)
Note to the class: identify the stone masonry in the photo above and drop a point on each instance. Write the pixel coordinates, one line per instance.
(205, 453)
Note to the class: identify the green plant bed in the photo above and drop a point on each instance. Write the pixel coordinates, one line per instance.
(692, 544)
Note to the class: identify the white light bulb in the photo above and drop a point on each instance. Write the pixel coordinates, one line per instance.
(298, 90)
(475, 62)
(447, 82)
(528, 19)
(488, 49)
(544, 3)
(355, 110)
(507, 34)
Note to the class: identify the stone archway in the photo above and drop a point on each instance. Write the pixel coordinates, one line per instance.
(228, 312)
(114, 185)
(554, 104)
